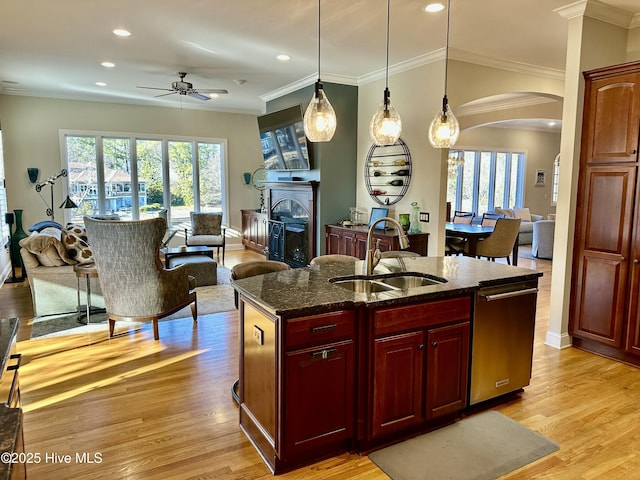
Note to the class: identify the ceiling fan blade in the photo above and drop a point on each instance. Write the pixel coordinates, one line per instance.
(164, 94)
(156, 88)
(220, 91)
(198, 96)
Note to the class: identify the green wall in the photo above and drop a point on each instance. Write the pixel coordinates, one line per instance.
(334, 163)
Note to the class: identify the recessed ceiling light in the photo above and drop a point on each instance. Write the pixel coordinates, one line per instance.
(239, 81)
(552, 123)
(121, 32)
(434, 7)
(101, 84)
(108, 64)
(283, 57)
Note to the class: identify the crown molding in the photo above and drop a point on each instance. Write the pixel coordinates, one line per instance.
(599, 11)
(305, 82)
(524, 101)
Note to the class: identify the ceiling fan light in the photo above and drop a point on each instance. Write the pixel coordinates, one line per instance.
(386, 125)
(319, 118)
(444, 129)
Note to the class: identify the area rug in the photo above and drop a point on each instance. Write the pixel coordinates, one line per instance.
(524, 251)
(483, 446)
(211, 299)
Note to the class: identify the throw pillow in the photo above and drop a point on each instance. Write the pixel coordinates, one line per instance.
(76, 247)
(47, 248)
(78, 231)
(524, 214)
(206, 223)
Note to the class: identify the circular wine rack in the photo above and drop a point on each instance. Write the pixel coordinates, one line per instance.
(387, 172)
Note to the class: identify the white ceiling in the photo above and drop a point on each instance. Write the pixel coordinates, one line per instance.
(54, 48)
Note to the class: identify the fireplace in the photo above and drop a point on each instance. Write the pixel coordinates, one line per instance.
(292, 222)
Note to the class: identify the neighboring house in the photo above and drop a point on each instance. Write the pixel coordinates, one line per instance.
(83, 188)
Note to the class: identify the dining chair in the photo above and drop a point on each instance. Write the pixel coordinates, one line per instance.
(500, 243)
(463, 217)
(454, 244)
(489, 219)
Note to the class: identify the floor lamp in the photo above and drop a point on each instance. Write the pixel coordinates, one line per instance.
(51, 181)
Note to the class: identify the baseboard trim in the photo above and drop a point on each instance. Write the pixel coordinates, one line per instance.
(559, 341)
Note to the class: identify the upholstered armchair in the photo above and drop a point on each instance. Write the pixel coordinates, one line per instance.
(206, 230)
(134, 283)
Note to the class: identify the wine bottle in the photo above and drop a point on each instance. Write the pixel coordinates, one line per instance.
(396, 183)
(401, 173)
(378, 173)
(399, 162)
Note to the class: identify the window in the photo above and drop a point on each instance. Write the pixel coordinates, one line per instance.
(138, 177)
(486, 179)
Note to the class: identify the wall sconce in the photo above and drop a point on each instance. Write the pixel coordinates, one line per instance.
(33, 174)
(247, 178)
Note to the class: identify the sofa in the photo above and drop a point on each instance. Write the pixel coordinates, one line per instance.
(526, 225)
(48, 257)
(542, 246)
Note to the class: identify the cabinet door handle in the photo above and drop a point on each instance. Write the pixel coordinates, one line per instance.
(421, 347)
(636, 261)
(324, 328)
(324, 354)
(434, 344)
(633, 151)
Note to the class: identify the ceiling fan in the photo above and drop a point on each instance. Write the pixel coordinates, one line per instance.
(186, 88)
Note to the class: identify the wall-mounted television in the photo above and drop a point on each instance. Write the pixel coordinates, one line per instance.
(284, 144)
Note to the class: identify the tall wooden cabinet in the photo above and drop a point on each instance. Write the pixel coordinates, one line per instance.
(606, 268)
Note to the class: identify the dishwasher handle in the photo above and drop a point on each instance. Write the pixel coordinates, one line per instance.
(514, 293)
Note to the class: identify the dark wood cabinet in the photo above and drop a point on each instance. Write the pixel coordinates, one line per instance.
(447, 369)
(297, 384)
(606, 264)
(398, 389)
(319, 392)
(419, 366)
(255, 230)
(353, 241)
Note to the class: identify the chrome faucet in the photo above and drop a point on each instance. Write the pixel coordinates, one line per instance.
(373, 257)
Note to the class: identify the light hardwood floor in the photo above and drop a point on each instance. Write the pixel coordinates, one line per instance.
(143, 409)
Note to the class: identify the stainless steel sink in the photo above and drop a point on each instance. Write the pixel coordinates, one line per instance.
(409, 281)
(383, 283)
(363, 285)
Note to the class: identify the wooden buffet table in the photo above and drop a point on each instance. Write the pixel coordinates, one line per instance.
(353, 240)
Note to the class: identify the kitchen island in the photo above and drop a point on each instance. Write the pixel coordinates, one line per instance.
(331, 361)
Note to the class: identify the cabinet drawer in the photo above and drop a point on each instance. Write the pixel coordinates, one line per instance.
(319, 329)
(398, 319)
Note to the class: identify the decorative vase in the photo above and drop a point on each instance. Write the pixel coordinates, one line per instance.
(404, 219)
(18, 235)
(414, 225)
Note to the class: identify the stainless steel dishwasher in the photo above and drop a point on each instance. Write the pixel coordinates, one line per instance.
(502, 340)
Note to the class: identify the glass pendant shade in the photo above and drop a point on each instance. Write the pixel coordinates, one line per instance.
(319, 118)
(444, 129)
(386, 125)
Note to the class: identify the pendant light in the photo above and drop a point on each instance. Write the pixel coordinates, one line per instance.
(386, 125)
(444, 129)
(319, 118)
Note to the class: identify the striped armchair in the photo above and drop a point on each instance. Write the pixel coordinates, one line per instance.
(134, 283)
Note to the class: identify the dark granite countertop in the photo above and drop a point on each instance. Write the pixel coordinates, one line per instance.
(306, 291)
(8, 332)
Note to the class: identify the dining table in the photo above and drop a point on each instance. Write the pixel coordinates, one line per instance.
(473, 233)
